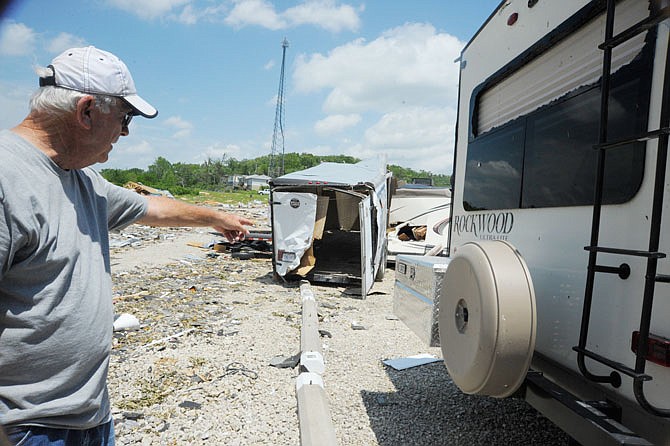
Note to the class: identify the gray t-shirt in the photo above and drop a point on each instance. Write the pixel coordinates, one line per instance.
(56, 310)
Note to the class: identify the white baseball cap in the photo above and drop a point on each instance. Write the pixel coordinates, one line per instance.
(94, 71)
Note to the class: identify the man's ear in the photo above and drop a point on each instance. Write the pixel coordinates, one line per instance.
(84, 111)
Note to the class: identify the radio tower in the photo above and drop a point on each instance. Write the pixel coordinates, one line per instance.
(276, 167)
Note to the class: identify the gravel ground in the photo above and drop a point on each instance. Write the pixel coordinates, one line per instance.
(197, 370)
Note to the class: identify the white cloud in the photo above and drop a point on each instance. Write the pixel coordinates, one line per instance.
(254, 12)
(16, 39)
(336, 123)
(149, 9)
(188, 16)
(417, 137)
(218, 151)
(406, 66)
(405, 80)
(140, 148)
(269, 65)
(183, 127)
(64, 41)
(412, 127)
(325, 14)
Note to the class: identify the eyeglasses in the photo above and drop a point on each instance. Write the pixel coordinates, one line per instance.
(126, 120)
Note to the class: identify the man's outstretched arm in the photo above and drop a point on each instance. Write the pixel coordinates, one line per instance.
(165, 211)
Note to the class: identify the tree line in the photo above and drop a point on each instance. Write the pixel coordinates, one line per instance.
(184, 178)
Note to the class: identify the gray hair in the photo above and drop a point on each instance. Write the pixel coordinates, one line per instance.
(56, 100)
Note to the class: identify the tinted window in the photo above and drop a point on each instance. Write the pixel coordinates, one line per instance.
(493, 170)
(546, 158)
(560, 160)
(560, 163)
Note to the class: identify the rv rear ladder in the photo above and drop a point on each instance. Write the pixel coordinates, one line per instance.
(652, 255)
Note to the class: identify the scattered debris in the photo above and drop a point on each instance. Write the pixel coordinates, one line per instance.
(132, 415)
(355, 325)
(147, 190)
(190, 405)
(352, 291)
(411, 361)
(258, 244)
(235, 368)
(169, 338)
(125, 321)
(285, 362)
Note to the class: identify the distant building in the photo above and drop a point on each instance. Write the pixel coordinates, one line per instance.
(256, 182)
(235, 181)
(424, 181)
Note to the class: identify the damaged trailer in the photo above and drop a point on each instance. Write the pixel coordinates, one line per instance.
(329, 223)
(419, 218)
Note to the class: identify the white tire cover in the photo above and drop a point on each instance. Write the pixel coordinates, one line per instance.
(487, 318)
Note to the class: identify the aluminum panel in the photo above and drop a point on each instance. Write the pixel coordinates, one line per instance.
(418, 284)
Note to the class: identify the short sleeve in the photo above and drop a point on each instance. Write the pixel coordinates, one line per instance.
(124, 206)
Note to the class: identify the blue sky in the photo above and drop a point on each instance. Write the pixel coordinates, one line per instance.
(361, 78)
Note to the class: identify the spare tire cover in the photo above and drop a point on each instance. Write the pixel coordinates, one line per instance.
(487, 318)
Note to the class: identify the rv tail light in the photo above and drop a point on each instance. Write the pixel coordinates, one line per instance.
(511, 20)
(658, 348)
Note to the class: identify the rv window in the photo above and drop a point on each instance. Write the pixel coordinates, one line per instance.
(560, 164)
(493, 170)
(546, 158)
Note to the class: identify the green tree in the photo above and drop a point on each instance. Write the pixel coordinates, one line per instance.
(213, 173)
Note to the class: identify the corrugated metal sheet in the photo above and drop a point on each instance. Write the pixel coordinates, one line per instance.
(335, 174)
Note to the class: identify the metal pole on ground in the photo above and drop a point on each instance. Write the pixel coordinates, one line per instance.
(316, 425)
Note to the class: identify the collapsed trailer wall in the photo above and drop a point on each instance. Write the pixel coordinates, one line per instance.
(318, 236)
(339, 235)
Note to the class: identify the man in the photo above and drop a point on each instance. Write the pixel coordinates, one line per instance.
(56, 310)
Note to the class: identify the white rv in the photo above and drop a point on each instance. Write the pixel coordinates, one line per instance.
(556, 284)
(418, 220)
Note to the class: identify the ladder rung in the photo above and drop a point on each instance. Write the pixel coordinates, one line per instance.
(622, 271)
(644, 137)
(628, 252)
(613, 364)
(636, 29)
(664, 278)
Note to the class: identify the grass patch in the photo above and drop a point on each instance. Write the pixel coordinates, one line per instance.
(233, 197)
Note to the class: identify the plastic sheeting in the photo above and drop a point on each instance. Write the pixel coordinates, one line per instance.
(292, 238)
